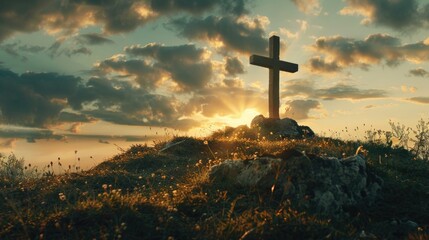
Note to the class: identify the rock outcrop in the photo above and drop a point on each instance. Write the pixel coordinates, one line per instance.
(324, 185)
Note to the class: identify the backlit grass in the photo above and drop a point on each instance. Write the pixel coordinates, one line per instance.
(163, 192)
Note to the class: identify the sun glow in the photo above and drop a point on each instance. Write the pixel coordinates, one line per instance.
(245, 118)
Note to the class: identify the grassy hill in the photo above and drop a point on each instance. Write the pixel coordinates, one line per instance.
(163, 192)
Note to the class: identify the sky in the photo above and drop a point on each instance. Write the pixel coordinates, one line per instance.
(86, 78)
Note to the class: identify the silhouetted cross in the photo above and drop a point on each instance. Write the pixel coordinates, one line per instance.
(275, 65)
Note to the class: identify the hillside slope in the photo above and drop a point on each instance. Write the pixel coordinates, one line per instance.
(163, 192)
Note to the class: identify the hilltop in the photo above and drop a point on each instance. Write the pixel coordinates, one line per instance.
(163, 192)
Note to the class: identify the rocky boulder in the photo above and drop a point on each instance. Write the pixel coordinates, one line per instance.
(327, 186)
(280, 128)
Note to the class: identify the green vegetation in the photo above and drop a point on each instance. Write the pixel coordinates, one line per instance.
(162, 192)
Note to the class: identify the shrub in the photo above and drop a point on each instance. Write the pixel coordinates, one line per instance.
(11, 168)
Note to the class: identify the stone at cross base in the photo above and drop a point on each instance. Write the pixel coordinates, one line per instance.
(275, 129)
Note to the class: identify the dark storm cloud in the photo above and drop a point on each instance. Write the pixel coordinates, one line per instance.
(396, 14)
(93, 39)
(299, 109)
(67, 17)
(419, 72)
(146, 75)
(30, 134)
(186, 64)
(29, 99)
(121, 103)
(74, 117)
(236, 7)
(234, 66)
(44, 99)
(319, 65)
(375, 49)
(421, 100)
(237, 34)
(339, 91)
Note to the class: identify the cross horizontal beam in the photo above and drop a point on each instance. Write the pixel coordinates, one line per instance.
(273, 63)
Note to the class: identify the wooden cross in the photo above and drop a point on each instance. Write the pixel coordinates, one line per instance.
(275, 65)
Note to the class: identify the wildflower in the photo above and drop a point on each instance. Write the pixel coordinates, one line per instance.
(206, 142)
(61, 196)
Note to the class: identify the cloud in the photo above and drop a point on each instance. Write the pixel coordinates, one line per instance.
(233, 83)
(10, 49)
(20, 51)
(319, 65)
(143, 73)
(10, 143)
(234, 66)
(121, 103)
(43, 100)
(13, 49)
(56, 49)
(31, 48)
(421, 100)
(342, 91)
(103, 141)
(299, 109)
(396, 14)
(75, 127)
(419, 72)
(33, 99)
(75, 117)
(228, 33)
(339, 52)
(68, 17)
(410, 89)
(307, 88)
(308, 6)
(77, 51)
(30, 134)
(187, 65)
(237, 7)
(93, 39)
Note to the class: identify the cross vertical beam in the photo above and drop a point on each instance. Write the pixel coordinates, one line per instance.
(275, 65)
(273, 85)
